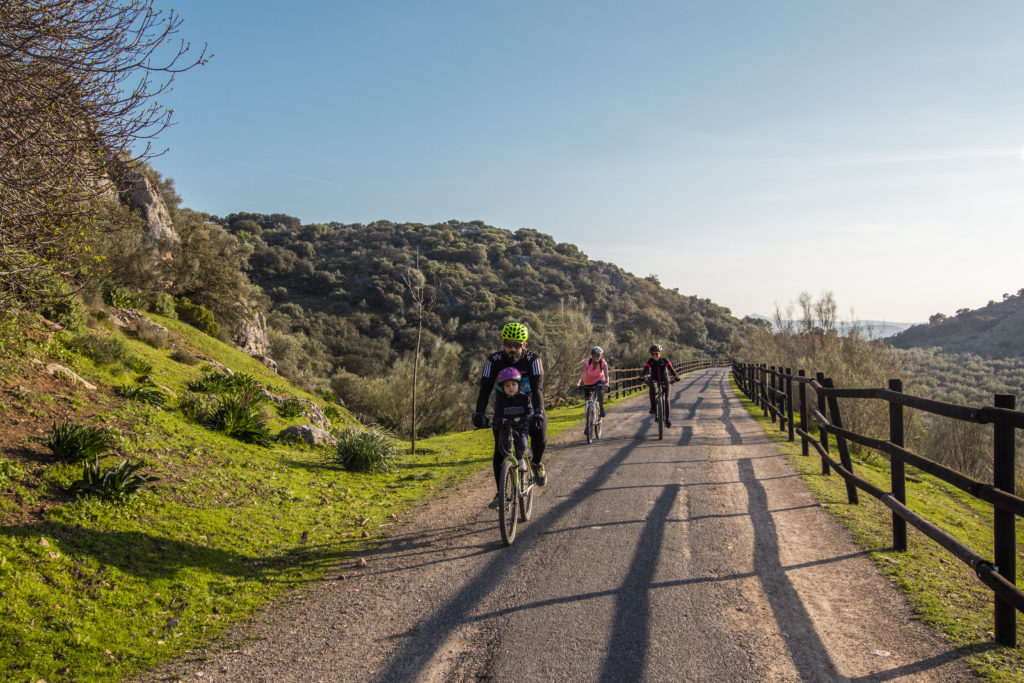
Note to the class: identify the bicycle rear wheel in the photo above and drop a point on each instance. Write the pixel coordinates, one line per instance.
(509, 498)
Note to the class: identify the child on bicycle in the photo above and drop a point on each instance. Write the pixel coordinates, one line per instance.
(594, 376)
(509, 404)
(659, 370)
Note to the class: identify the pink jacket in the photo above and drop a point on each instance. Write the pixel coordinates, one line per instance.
(594, 372)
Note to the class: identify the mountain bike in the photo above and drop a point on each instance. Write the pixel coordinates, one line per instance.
(516, 480)
(660, 402)
(592, 412)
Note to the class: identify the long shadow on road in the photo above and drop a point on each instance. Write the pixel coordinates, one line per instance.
(416, 654)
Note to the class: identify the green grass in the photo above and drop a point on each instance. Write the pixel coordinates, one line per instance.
(92, 590)
(942, 590)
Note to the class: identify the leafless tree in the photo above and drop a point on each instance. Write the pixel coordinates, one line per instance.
(79, 82)
(422, 300)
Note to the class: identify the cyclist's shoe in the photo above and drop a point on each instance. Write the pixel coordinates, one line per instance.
(603, 413)
(539, 474)
(651, 411)
(496, 503)
(668, 423)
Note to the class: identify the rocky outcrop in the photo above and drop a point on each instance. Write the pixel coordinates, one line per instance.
(61, 372)
(251, 336)
(309, 435)
(142, 196)
(309, 409)
(130, 319)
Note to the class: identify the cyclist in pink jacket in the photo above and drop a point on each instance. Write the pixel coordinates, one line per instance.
(595, 375)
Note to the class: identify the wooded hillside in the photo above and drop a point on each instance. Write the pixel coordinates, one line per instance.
(993, 331)
(348, 287)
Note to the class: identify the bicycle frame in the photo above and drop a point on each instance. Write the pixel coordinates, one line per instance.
(516, 481)
(591, 411)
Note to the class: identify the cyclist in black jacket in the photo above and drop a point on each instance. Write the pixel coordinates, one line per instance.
(659, 369)
(514, 354)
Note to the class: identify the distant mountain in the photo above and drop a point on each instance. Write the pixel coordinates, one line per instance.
(876, 329)
(993, 331)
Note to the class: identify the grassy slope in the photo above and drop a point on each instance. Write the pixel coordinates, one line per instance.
(94, 591)
(942, 590)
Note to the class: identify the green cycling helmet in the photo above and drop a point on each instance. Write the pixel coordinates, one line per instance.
(514, 332)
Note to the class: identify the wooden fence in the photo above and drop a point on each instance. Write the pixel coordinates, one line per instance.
(626, 381)
(772, 389)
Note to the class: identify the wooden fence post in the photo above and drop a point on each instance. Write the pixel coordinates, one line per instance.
(773, 398)
(844, 452)
(825, 469)
(1004, 529)
(803, 415)
(789, 403)
(896, 468)
(763, 387)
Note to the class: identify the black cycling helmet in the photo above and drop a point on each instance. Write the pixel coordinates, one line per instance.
(596, 351)
(654, 347)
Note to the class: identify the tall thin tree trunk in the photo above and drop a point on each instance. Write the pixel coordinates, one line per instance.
(415, 372)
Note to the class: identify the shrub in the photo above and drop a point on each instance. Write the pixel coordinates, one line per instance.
(138, 365)
(102, 349)
(290, 408)
(120, 296)
(183, 356)
(197, 407)
(65, 309)
(75, 441)
(144, 392)
(240, 418)
(212, 382)
(197, 316)
(365, 450)
(163, 304)
(331, 413)
(9, 471)
(116, 484)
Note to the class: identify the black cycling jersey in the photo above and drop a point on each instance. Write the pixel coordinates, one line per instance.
(660, 369)
(529, 366)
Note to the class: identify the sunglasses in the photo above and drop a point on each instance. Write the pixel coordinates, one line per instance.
(512, 344)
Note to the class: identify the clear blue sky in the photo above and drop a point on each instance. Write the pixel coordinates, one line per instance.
(742, 151)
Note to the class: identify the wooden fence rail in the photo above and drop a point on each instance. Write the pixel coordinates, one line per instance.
(771, 389)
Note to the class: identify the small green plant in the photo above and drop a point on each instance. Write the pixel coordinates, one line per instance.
(197, 407)
(290, 408)
(10, 471)
(102, 349)
(242, 381)
(212, 382)
(331, 413)
(365, 450)
(76, 442)
(241, 419)
(116, 484)
(184, 357)
(145, 392)
(138, 365)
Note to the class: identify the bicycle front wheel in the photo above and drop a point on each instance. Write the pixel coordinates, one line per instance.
(509, 499)
(588, 427)
(526, 501)
(597, 428)
(661, 416)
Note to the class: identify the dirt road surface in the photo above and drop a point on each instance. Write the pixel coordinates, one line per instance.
(701, 557)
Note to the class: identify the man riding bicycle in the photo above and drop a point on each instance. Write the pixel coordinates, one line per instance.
(659, 370)
(513, 354)
(594, 376)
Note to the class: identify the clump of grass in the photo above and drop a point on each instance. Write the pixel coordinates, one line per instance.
(140, 366)
(102, 349)
(10, 471)
(184, 357)
(197, 407)
(76, 442)
(365, 450)
(241, 418)
(290, 408)
(212, 382)
(145, 392)
(116, 484)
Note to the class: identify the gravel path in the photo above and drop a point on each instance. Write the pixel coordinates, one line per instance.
(701, 557)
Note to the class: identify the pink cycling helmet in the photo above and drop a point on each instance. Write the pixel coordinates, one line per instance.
(508, 374)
